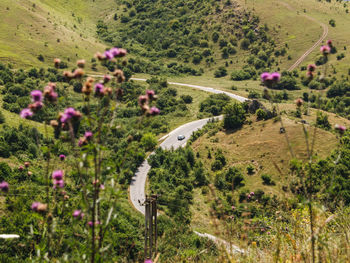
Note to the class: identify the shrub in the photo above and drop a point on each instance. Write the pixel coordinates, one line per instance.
(261, 114)
(250, 169)
(267, 180)
(220, 72)
(234, 116)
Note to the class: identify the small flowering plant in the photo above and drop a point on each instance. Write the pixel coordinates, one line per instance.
(85, 131)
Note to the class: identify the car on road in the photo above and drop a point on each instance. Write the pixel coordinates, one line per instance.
(181, 137)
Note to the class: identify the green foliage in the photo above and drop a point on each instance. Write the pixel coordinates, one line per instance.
(234, 116)
(322, 121)
(214, 104)
(220, 72)
(149, 141)
(267, 179)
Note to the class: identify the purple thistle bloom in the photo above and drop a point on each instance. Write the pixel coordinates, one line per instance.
(62, 157)
(90, 223)
(154, 111)
(311, 67)
(57, 175)
(4, 186)
(37, 95)
(106, 78)
(99, 88)
(77, 213)
(148, 261)
(114, 51)
(325, 50)
(88, 135)
(70, 112)
(275, 76)
(59, 183)
(26, 113)
(265, 76)
(150, 94)
(252, 193)
(35, 206)
(108, 55)
(102, 187)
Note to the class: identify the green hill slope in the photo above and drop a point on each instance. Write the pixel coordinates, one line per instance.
(48, 28)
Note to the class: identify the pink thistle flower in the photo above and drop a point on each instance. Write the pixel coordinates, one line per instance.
(21, 168)
(325, 50)
(265, 76)
(150, 94)
(275, 76)
(4, 186)
(142, 100)
(310, 74)
(340, 128)
(37, 95)
(114, 51)
(108, 55)
(148, 261)
(102, 187)
(106, 78)
(233, 207)
(76, 213)
(99, 89)
(57, 175)
(68, 114)
(88, 135)
(62, 157)
(26, 113)
(59, 183)
(26, 164)
(329, 43)
(311, 67)
(154, 111)
(96, 223)
(35, 206)
(252, 193)
(36, 106)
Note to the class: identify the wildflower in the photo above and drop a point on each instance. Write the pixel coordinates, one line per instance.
(108, 55)
(275, 76)
(57, 62)
(252, 193)
(36, 106)
(37, 95)
(148, 261)
(154, 111)
(77, 213)
(96, 223)
(68, 75)
(59, 183)
(29, 173)
(49, 92)
(106, 78)
(99, 89)
(26, 164)
(119, 74)
(150, 94)
(62, 157)
(233, 207)
(325, 50)
(329, 43)
(102, 187)
(39, 207)
(54, 123)
(68, 114)
(311, 67)
(82, 141)
(87, 88)
(26, 113)
(340, 128)
(99, 56)
(107, 91)
(81, 63)
(142, 100)
(20, 168)
(114, 51)
(4, 186)
(265, 76)
(88, 135)
(57, 175)
(78, 73)
(299, 102)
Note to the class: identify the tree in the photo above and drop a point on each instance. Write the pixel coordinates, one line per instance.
(234, 116)
(149, 141)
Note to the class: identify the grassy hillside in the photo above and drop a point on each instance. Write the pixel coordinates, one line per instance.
(299, 32)
(64, 29)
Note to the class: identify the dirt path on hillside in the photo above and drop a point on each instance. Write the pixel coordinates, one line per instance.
(317, 43)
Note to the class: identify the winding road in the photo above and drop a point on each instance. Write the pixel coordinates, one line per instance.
(137, 186)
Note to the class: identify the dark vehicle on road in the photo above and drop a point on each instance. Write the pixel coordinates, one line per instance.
(181, 137)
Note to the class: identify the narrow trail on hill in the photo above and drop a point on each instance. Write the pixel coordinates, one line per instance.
(315, 45)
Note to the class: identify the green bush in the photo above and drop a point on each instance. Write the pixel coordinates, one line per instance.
(267, 180)
(234, 116)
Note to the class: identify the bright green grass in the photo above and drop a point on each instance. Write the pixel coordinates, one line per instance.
(51, 28)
